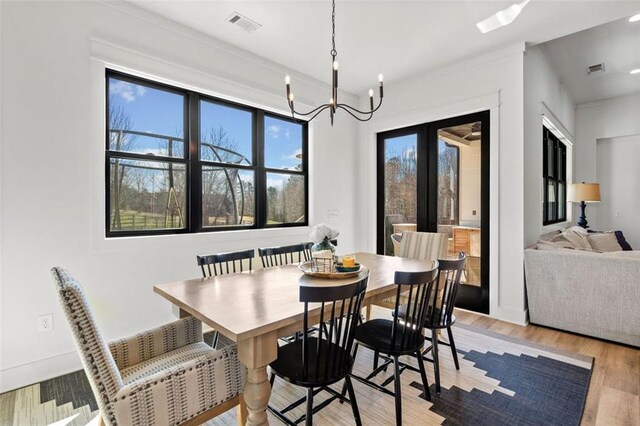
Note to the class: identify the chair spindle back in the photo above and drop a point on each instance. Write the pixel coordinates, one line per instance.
(407, 328)
(225, 263)
(339, 309)
(442, 299)
(282, 255)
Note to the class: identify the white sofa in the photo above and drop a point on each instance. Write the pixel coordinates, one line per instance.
(596, 294)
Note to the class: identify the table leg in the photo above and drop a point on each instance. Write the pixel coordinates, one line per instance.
(256, 353)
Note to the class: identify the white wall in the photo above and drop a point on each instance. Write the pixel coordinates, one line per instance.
(52, 169)
(605, 119)
(619, 177)
(545, 95)
(492, 82)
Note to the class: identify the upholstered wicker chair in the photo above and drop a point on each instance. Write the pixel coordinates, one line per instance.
(416, 245)
(164, 376)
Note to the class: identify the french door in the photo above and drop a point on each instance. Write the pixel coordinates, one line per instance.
(434, 177)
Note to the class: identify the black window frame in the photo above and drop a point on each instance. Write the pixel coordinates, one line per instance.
(556, 176)
(194, 165)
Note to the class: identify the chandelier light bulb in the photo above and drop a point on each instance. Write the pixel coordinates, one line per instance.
(335, 65)
(287, 79)
(331, 101)
(380, 78)
(291, 97)
(371, 93)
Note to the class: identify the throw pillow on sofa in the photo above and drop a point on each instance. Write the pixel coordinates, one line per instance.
(622, 241)
(577, 237)
(605, 242)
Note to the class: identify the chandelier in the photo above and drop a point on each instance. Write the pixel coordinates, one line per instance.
(333, 104)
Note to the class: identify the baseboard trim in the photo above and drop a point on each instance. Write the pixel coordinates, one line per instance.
(34, 372)
(515, 316)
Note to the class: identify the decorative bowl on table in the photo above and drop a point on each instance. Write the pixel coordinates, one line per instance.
(333, 274)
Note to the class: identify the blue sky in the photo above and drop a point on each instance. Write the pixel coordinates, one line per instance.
(160, 112)
(394, 147)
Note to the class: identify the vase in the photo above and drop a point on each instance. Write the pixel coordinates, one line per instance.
(325, 244)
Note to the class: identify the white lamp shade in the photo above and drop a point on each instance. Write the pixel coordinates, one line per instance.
(587, 192)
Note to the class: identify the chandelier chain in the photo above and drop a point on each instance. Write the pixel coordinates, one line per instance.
(334, 52)
(333, 106)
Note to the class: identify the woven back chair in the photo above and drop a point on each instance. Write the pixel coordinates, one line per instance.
(155, 377)
(416, 245)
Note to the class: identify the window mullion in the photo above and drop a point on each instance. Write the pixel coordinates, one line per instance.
(261, 174)
(195, 167)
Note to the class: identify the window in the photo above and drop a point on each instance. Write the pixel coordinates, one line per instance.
(179, 161)
(554, 174)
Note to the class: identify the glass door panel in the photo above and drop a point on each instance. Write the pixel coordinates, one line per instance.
(460, 194)
(399, 188)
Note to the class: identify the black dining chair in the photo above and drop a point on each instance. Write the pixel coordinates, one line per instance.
(225, 263)
(440, 314)
(317, 361)
(440, 311)
(282, 255)
(213, 265)
(400, 336)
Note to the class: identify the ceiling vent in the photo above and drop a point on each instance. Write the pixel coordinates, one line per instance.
(243, 22)
(595, 69)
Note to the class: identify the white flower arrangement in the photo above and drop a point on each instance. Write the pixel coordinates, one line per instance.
(322, 231)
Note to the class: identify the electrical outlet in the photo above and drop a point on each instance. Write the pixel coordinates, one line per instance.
(473, 212)
(45, 323)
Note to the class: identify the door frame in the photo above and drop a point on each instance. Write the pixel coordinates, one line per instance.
(469, 297)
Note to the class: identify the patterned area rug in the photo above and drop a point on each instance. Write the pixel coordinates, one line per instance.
(502, 381)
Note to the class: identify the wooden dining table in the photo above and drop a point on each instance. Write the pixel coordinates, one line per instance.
(256, 308)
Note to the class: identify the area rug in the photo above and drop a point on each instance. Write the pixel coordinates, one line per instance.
(501, 381)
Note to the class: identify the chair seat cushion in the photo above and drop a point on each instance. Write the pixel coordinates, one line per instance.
(165, 361)
(376, 335)
(322, 371)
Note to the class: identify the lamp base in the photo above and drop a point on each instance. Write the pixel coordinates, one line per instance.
(582, 220)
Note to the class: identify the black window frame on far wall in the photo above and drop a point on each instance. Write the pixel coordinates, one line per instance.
(555, 175)
(192, 211)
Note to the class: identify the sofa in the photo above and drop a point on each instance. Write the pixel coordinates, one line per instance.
(584, 291)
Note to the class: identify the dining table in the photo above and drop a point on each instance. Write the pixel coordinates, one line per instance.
(256, 308)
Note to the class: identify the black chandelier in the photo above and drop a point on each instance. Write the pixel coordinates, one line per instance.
(333, 104)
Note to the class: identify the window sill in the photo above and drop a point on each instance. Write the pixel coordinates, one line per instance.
(253, 237)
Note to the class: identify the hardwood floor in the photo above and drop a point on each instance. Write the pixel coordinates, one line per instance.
(614, 392)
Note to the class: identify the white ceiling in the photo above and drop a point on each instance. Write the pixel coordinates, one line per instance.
(398, 38)
(617, 44)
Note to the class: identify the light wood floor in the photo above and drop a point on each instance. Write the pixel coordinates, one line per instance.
(614, 392)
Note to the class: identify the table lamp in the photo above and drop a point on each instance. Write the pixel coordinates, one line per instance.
(583, 193)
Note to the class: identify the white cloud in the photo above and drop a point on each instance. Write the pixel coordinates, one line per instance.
(274, 131)
(294, 155)
(127, 91)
